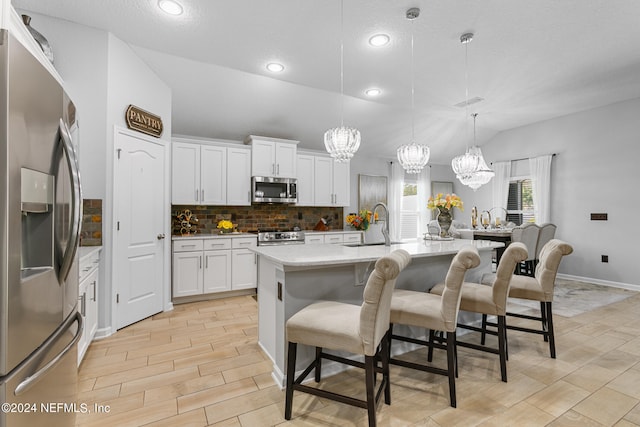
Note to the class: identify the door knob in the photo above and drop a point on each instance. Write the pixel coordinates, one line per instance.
(160, 236)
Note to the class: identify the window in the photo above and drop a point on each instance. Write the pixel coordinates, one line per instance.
(409, 213)
(520, 202)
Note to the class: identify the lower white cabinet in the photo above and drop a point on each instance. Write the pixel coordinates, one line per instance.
(204, 266)
(333, 237)
(88, 300)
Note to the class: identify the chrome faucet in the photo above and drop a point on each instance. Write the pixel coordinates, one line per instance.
(385, 230)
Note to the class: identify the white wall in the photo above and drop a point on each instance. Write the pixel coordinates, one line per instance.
(80, 56)
(595, 170)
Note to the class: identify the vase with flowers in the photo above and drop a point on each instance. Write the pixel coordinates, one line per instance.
(225, 226)
(444, 204)
(361, 220)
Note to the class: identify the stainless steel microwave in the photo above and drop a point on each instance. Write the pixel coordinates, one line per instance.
(267, 189)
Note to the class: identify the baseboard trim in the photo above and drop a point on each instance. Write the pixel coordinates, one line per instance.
(610, 283)
(103, 333)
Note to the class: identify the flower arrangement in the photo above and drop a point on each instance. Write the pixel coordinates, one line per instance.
(361, 220)
(225, 226)
(445, 202)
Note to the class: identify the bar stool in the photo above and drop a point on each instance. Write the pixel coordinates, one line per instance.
(491, 300)
(435, 313)
(540, 288)
(528, 234)
(361, 330)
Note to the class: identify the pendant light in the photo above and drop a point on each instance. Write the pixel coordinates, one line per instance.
(413, 157)
(465, 165)
(483, 173)
(342, 142)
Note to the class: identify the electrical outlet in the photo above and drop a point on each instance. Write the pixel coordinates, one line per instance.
(605, 258)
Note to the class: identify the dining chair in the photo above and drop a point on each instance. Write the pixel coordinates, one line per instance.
(547, 232)
(492, 301)
(528, 234)
(435, 313)
(357, 329)
(541, 288)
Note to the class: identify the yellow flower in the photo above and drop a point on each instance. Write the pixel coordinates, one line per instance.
(225, 224)
(447, 202)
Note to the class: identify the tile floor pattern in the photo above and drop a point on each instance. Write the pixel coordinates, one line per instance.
(200, 365)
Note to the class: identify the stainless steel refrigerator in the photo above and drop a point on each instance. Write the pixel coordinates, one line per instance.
(40, 214)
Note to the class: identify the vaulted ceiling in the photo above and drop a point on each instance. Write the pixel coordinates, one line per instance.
(529, 60)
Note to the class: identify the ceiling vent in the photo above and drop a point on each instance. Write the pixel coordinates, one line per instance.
(471, 101)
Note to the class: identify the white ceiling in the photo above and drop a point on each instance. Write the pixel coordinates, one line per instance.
(530, 61)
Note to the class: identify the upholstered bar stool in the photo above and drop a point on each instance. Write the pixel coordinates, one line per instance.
(361, 330)
(540, 288)
(528, 235)
(547, 232)
(491, 300)
(436, 313)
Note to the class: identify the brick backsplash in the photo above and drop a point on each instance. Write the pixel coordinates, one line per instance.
(258, 216)
(91, 233)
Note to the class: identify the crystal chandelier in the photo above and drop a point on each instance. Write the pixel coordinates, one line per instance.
(413, 157)
(465, 165)
(483, 173)
(342, 142)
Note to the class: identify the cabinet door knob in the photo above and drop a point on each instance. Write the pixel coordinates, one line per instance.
(160, 236)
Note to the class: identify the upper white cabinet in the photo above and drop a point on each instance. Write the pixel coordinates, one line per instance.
(328, 179)
(210, 174)
(305, 168)
(238, 176)
(272, 156)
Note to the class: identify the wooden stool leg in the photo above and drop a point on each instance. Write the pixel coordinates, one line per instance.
(502, 338)
(318, 368)
(483, 334)
(369, 366)
(430, 351)
(384, 356)
(543, 319)
(291, 372)
(451, 367)
(552, 340)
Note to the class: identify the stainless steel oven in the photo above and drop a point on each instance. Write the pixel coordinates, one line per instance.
(273, 238)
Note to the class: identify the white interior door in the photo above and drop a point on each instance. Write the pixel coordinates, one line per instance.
(138, 270)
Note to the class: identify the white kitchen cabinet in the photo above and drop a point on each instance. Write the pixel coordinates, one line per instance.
(272, 156)
(213, 175)
(331, 182)
(185, 174)
(205, 266)
(244, 269)
(210, 174)
(333, 237)
(305, 168)
(88, 299)
(238, 176)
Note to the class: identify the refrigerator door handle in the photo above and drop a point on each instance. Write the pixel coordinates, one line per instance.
(33, 379)
(76, 203)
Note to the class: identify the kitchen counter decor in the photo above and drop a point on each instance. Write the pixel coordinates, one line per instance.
(226, 226)
(444, 205)
(361, 220)
(185, 223)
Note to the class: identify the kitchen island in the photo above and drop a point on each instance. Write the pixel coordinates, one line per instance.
(290, 277)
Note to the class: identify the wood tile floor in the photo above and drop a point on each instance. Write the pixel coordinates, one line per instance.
(200, 365)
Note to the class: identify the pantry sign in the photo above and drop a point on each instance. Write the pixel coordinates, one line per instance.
(143, 121)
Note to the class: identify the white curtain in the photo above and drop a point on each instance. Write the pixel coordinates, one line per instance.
(424, 191)
(396, 172)
(540, 171)
(501, 184)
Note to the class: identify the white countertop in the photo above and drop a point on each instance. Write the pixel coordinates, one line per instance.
(87, 251)
(327, 254)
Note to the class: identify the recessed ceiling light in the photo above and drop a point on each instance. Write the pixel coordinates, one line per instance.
(171, 7)
(274, 67)
(379, 40)
(373, 92)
